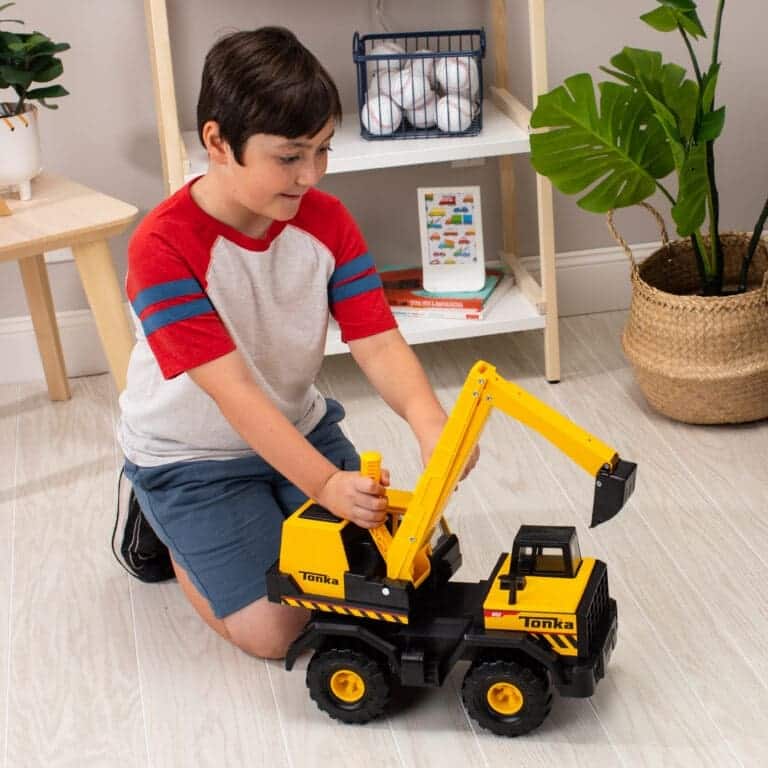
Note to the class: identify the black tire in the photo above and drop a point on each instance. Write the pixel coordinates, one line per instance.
(349, 684)
(506, 697)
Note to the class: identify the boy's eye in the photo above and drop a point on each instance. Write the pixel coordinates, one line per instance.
(290, 159)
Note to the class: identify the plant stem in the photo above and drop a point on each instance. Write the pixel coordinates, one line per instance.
(665, 192)
(713, 205)
(714, 216)
(716, 264)
(692, 53)
(754, 240)
(698, 252)
(718, 24)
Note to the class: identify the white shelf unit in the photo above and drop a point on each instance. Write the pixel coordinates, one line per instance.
(529, 304)
(500, 136)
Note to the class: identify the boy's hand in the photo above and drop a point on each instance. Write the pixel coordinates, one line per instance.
(428, 441)
(356, 498)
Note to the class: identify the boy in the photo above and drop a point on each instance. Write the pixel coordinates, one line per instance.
(231, 281)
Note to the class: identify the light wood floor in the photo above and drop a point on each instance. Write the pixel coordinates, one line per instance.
(97, 669)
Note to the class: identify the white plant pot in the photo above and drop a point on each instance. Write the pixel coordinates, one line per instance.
(19, 150)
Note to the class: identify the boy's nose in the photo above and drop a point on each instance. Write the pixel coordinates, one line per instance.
(310, 173)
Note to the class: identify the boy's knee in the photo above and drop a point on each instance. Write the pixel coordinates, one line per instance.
(265, 636)
(262, 648)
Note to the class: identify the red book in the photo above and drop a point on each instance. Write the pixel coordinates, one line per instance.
(403, 287)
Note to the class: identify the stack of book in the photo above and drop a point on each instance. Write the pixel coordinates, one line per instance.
(407, 298)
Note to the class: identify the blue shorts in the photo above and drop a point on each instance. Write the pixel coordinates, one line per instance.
(222, 520)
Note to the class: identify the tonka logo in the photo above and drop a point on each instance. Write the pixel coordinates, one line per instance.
(545, 622)
(320, 578)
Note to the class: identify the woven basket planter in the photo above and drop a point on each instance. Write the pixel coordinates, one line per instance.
(699, 359)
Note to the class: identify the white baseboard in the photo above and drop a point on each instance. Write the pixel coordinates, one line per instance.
(80, 343)
(587, 281)
(597, 280)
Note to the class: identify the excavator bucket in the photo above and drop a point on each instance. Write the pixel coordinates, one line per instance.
(613, 486)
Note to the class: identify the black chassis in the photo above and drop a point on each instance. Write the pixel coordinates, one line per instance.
(423, 652)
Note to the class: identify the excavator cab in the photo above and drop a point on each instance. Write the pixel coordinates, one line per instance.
(546, 551)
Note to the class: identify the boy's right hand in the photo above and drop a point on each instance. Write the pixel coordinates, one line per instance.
(356, 498)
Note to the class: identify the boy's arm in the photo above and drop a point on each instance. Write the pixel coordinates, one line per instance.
(398, 376)
(260, 423)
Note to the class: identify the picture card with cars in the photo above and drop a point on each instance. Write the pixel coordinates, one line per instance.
(451, 233)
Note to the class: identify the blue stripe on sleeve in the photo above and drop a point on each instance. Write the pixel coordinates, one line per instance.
(356, 287)
(162, 291)
(176, 313)
(356, 266)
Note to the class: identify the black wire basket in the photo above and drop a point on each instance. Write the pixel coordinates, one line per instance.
(420, 84)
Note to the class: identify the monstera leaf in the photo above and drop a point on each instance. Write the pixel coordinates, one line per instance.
(616, 151)
(675, 14)
(688, 121)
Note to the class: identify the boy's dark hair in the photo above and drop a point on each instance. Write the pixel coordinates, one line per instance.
(264, 81)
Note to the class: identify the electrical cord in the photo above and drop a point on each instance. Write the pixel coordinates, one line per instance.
(380, 16)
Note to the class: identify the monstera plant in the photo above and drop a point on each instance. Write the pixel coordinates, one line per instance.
(697, 328)
(653, 119)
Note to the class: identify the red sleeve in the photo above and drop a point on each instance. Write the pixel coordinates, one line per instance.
(355, 291)
(167, 294)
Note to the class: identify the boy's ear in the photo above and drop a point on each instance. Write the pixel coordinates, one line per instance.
(215, 145)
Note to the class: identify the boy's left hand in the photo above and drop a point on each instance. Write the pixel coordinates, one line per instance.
(428, 441)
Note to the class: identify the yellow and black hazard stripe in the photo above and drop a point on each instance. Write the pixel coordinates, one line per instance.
(565, 645)
(347, 610)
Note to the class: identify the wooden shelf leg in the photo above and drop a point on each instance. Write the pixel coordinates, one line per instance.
(538, 37)
(34, 276)
(97, 273)
(508, 204)
(548, 279)
(171, 145)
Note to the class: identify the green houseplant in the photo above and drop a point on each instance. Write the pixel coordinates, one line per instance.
(653, 120)
(28, 65)
(27, 58)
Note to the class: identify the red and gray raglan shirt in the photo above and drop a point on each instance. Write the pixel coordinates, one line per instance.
(199, 289)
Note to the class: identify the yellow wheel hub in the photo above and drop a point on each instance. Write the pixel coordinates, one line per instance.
(347, 686)
(504, 698)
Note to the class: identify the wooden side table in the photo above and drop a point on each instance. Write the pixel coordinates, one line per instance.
(64, 214)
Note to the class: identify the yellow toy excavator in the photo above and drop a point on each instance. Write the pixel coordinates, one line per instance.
(384, 607)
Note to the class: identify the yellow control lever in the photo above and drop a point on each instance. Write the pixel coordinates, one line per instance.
(370, 466)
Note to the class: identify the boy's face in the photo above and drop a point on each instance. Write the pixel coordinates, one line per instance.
(276, 171)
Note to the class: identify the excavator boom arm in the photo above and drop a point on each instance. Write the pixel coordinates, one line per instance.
(483, 390)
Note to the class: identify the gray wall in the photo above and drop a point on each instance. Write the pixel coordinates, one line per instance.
(104, 133)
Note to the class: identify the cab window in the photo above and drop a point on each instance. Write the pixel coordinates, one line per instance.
(575, 555)
(542, 561)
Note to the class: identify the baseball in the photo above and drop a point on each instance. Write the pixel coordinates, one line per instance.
(380, 115)
(454, 113)
(406, 88)
(385, 48)
(458, 74)
(373, 84)
(425, 67)
(424, 116)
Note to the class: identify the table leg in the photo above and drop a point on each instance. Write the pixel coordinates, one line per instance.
(34, 276)
(97, 274)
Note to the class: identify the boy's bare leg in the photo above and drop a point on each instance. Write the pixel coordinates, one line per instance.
(262, 628)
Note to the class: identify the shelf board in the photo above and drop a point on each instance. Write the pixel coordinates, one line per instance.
(500, 136)
(513, 313)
